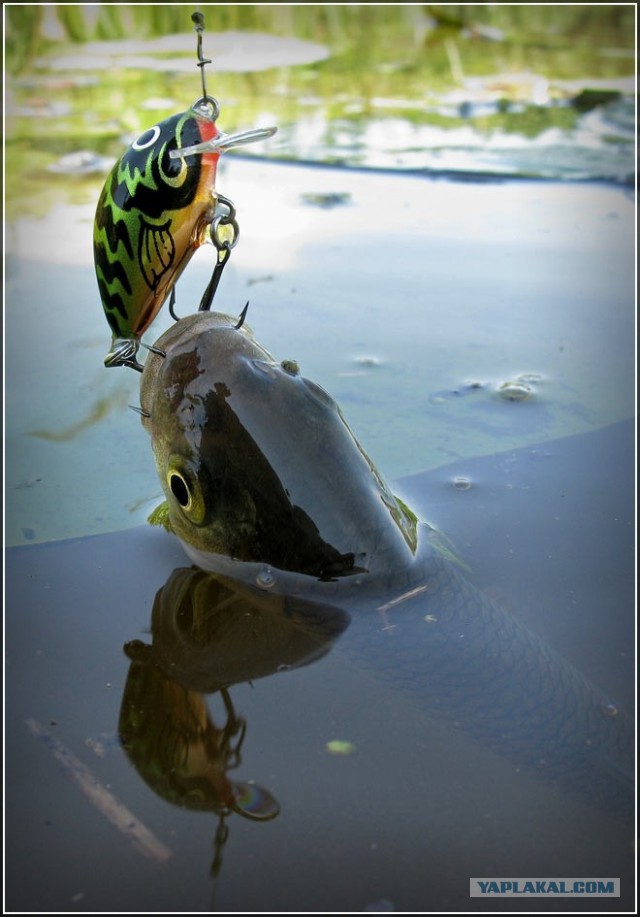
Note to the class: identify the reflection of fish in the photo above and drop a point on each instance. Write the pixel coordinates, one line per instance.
(155, 210)
(209, 634)
(265, 482)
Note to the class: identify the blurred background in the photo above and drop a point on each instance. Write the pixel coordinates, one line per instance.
(506, 89)
(462, 171)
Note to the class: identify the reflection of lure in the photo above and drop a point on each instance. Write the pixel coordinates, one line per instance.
(170, 737)
(167, 731)
(209, 634)
(155, 210)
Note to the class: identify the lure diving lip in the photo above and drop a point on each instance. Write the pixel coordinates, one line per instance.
(223, 142)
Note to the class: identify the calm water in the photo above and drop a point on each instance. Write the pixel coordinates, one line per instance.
(413, 301)
(413, 812)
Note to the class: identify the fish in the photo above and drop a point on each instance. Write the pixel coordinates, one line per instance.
(156, 208)
(265, 483)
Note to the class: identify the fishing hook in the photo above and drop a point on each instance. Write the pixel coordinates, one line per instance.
(133, 364)
(154, 349)
(221, 835)
(140, 411)
(223, 246)
(243, 315)
(172, 302)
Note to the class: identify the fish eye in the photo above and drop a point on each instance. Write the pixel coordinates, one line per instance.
(179, 489)
(185, 487)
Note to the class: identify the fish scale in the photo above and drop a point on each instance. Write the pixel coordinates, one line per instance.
(477, 667)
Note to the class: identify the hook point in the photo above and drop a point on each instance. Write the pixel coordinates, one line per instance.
(243, 315)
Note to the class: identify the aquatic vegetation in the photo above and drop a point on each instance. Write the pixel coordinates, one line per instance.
(400, 87)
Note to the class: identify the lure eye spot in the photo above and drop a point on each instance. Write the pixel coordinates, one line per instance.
(151, 136)
(179, 489)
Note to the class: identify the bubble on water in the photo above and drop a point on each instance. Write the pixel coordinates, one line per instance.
(326, 200)
(254, 802)
(265, 578)
(369, 361)
(460, 482)
(515, 391)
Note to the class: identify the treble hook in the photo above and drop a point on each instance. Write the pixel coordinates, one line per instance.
(225, 216)
(198, 20)
(243, 315)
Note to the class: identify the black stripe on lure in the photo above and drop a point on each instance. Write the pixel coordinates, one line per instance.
(155, 210)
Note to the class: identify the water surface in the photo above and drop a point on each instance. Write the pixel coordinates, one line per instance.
(416, 808)
(427, 307)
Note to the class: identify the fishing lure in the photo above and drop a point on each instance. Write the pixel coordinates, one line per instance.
(158, 205)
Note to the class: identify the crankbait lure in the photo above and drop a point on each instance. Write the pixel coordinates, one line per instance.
(158, 205)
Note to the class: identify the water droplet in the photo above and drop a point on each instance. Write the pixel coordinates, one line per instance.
(461, 483)
(514, 391)
(610, 710)
(265, 579)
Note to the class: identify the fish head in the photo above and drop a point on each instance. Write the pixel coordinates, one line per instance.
(257, 462)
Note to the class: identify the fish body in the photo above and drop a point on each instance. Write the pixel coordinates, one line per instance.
(266, 483)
